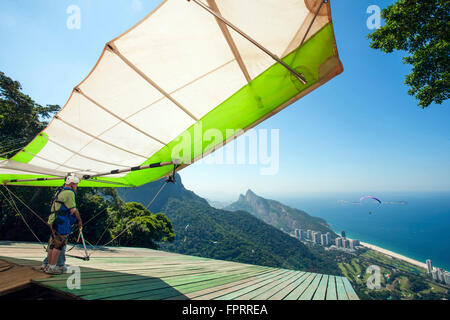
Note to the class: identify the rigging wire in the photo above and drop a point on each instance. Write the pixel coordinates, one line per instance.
(31, 210)
(14, 207)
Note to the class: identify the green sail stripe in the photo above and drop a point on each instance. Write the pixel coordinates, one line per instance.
(33, 147)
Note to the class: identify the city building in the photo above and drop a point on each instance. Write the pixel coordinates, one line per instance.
(429, 266)
(309, 234)
(302, 235)
(343, 234)
(447, 278)
(346, 243)
(440, 274)
(434, 275)
(316, 237)
(339, 243)
(297, 233)
(351, 244)
(324, 239)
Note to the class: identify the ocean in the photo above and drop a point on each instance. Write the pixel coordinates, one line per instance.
(416, 225)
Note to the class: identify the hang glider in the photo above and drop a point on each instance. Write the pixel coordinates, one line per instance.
(188, 67)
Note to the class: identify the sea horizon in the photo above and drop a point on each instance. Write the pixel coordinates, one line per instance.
(412, 224)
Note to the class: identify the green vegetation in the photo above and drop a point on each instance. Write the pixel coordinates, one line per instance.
(279, 215)
(400, 280)
(21, 119)
(422, 29)
(238, 236)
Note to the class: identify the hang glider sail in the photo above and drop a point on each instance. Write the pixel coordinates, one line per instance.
(189, 66)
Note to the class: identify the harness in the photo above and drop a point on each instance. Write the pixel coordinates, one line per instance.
(61, 218)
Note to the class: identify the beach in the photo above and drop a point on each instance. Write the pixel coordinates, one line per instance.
(394, 255)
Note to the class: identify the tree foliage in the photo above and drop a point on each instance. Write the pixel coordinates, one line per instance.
(21, 118)
(421, 28)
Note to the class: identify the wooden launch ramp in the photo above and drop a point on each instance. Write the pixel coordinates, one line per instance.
(144, 274)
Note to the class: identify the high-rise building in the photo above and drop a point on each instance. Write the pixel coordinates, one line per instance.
(302, 235)
(324, 239)
(447, 278)
(346, 243)
(351, 244)
(429, 266)
(356, 242)
(343, 234)
(309, 234)
(440, 274)
(316, 237)
(339, 243)
(297, 233)
(434, 275)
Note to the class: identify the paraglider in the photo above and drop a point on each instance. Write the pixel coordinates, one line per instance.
(370, 197)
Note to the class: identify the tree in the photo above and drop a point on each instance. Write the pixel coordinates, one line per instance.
(21, 118)
(422, 28)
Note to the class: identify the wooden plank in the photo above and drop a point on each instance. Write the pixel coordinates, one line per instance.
(290, 286)
(193, 287)
(109, 277)
(240, 285)
(172, 290)
(237, 293)
(296, 293)
(349, 289)
(278, 288)
(309, 292)
(321, 289)
(252, 294)
(340, 289)
(220, 288)
(137, 285)
(137, 273)
(331, 289)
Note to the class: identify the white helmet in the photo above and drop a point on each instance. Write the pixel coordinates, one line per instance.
(72, 179)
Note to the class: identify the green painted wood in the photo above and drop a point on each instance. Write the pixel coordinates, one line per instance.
(137, 273)
(349, 289)
(138, 285)
(237, 286)
(117, 277)
(280, 295)
(279, 287)
(340, 289)
(193, 287)
(309, 292)
(331, 289)
(269, 286)
(175, 289)
(321, 289)
(237, 293)
(296, 293)
(219, 288)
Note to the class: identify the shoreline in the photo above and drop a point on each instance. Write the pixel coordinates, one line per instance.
(394, 255)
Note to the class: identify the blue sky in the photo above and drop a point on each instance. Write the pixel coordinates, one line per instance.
(361, 132)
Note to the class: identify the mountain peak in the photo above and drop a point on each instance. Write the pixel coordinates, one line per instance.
(250, 193)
